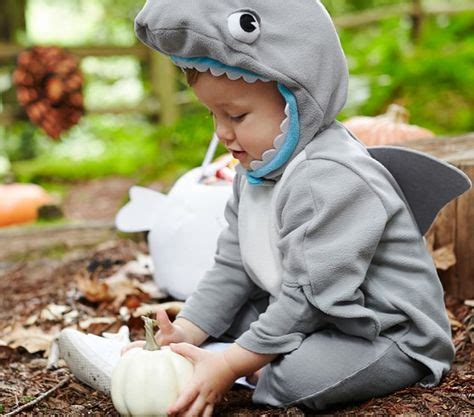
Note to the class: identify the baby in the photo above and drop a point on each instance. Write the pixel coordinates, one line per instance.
(322, 280)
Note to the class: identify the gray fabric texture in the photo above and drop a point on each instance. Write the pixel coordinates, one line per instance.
(381, 368)
(351, 255)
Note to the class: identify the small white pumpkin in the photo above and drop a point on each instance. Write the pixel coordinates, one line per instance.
(147, 381)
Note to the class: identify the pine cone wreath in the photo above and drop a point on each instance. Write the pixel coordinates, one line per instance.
(49, 86)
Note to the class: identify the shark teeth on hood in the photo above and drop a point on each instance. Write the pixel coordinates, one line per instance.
(279, 140)
(217, 72)
(269, 154)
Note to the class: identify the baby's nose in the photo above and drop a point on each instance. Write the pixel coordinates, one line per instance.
(225, 134)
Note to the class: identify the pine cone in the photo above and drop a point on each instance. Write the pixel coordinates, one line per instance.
(49, 86)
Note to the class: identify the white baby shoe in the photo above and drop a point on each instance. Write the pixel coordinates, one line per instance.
(92, 358)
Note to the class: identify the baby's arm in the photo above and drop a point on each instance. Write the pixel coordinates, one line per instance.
(195, 334)
(244, 362)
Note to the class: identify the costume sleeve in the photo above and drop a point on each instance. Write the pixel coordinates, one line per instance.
(225, 288)
(331, 223)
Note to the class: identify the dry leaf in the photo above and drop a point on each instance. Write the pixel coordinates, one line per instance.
(54, 312)
(444, 257)
(469, 303)
(85, 324)
(70, 317)
(453, 321)
(119, 288)
(31, 320)
(93, 289)
(33, 338)
(172, 308)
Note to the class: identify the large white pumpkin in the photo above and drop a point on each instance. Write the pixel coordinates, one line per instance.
(146, 382)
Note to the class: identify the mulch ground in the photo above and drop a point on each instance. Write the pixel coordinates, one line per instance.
(29, 286)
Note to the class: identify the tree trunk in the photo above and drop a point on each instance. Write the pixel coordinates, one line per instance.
(12, 19)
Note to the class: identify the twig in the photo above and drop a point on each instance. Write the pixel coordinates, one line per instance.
(462, 397)
(38, 399)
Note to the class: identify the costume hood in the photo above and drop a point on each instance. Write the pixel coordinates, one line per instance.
(291, 42)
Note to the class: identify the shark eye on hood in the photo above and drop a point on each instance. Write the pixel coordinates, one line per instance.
(244, 26)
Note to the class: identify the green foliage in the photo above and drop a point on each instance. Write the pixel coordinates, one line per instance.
(430, 78)
(129, 146)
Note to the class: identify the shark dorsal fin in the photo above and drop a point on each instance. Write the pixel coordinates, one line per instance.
(427, 183)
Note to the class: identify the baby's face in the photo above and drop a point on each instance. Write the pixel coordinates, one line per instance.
(247, 116)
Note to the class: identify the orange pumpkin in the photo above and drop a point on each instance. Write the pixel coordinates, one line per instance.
(391, 127)
(19, 203)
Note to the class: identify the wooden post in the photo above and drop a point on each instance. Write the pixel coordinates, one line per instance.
(12, 19)
(416, 20)
(163, 81)
(454, 225)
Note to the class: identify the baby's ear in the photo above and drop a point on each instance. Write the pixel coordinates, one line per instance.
(139, 214)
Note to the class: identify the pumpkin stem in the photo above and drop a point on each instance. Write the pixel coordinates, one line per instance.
(150, 342)
(397, 113)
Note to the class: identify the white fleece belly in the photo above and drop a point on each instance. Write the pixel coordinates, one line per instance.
(258, 237)
(258, 231)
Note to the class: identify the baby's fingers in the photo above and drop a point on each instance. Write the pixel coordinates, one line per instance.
(126, 348)
(164, 322)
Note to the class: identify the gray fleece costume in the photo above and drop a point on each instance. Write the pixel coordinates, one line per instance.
(330, 230)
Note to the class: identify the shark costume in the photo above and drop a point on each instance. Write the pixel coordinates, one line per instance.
(323, 260)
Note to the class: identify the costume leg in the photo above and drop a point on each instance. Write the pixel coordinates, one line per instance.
(331, 367)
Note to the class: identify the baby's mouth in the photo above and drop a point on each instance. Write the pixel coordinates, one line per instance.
(240, 155)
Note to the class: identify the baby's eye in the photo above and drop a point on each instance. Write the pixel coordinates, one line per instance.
(238, 118)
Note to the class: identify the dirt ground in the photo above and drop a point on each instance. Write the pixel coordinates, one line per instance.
(29, 286)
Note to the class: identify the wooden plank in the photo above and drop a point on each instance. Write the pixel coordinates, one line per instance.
(17, 241)
(441, 234)
(465, 239)
(10, 51)
(455, 222)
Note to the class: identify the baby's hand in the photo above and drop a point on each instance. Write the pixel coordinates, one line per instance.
(168, 333)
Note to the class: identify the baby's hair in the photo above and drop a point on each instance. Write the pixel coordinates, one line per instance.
(192, 75)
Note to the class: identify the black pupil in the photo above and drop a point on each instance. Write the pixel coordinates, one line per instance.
(246, 21)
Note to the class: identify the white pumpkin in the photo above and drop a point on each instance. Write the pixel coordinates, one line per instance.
(147, 381)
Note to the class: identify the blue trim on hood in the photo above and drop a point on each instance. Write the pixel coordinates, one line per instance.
(292, 137)
(289, 144)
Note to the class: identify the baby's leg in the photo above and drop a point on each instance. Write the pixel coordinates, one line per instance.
(331, 367)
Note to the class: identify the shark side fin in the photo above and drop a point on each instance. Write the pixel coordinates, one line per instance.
(427, 183)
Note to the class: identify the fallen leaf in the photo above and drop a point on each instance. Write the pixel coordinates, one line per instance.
(31, 320)
(453, 321)
(444, 257)
(70, 317)
(32, 338)
(172, 308)
(116, 288)
(54, 312)
(85, 324)
(93, 289)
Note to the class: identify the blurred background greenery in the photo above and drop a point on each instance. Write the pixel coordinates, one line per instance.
(427, 68)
